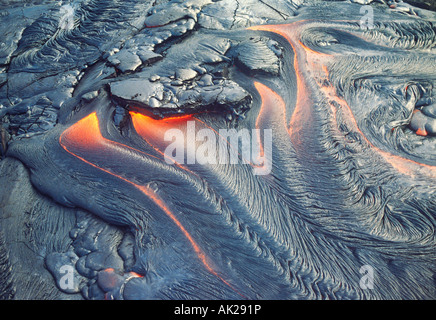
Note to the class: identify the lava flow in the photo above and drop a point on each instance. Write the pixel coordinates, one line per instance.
(85, 136)
(308, 63)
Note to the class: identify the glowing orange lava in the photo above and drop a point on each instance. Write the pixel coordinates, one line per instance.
(153, 131)
(272, 108)
(306, 61)
(85, 134)
(302, 112)
(272, 113)
(421, 132)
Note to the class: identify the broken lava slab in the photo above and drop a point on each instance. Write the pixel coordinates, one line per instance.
(137, 90)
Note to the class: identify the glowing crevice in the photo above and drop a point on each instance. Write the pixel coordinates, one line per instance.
(272, 114)
(302, 115)
(153, 132)
(85, 134)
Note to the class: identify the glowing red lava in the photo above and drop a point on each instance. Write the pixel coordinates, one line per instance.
(85, 135)
(308, 62)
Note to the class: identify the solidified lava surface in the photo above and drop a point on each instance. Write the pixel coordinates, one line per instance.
(248, 149)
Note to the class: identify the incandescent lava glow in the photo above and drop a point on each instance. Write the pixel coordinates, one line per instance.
(85, 137)
(307, 64)
(301, 115)
(284, 182)
(273, 109)
(189, 140)
(272, 115)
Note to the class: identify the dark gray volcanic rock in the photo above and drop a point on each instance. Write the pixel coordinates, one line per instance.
(90, 209)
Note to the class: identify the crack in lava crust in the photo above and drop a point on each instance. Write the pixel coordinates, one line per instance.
(307, 63)
(335, 199)
(86, 136)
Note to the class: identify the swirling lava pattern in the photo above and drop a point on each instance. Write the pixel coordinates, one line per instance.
(352, 179)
